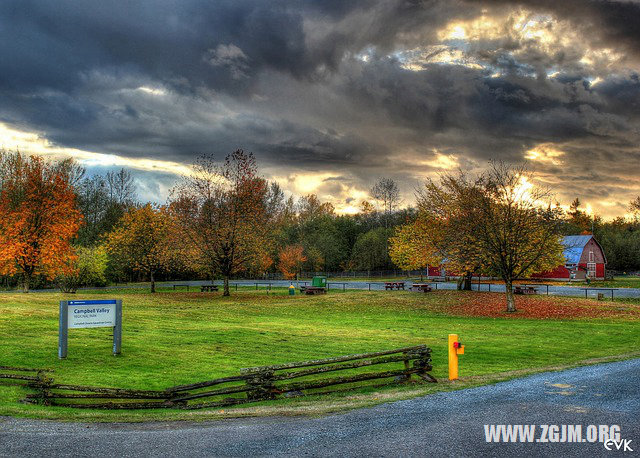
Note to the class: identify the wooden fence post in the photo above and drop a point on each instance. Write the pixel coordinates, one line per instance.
(262, 386)
(43, 388)
(423, 364)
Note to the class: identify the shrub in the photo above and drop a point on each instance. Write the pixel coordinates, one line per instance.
(89, 270)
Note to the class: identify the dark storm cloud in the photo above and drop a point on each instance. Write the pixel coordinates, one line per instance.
(66, 64)
(360, 89)
(455, 98)
(55, 44)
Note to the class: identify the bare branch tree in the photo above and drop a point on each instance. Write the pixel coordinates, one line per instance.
(72, 170)
(122, 189)
(386, 191)
(222, 210)
(634, 205)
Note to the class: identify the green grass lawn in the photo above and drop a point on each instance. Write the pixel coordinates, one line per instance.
(618, 282)
(178, 338)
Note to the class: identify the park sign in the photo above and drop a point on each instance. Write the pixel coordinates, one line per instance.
(89, 314)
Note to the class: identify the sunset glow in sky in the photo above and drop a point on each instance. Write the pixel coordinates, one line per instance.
(331, 95)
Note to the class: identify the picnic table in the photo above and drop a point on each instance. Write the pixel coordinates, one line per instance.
(586, 290)
(393, 285)
(525, 289)
(539, 286)
(182, 285)
(208, 288)
(421, 287)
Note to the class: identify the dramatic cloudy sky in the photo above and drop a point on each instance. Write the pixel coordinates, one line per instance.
(330, 94)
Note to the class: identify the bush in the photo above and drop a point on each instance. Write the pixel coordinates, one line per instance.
(90, 270)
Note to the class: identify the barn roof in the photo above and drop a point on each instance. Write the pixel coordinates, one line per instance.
(573, 247)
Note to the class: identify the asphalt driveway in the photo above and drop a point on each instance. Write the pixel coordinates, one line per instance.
(444, 424)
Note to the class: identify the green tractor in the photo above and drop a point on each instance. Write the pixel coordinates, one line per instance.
(318, 286)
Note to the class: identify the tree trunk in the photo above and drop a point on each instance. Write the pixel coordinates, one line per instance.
(467, 282)
(153, 282)
(26, 282)
(511, 301)
(226, 286)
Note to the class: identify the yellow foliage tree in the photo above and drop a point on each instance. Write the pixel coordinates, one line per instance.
(412, 246)
(499, 224)
(145, 240)
(447, 208)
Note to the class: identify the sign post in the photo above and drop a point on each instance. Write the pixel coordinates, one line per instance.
(63, 330)
(89, 314)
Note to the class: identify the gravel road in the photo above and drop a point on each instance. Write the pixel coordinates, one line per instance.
(444, 424)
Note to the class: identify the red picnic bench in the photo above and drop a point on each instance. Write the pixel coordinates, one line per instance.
(393, 285)
(421, 287)
(525, 289)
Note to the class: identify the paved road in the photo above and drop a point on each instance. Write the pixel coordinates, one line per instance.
(553, 290)
(377, 286)
(444, 424)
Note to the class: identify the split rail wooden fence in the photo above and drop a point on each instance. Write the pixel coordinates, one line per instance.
(251, 385)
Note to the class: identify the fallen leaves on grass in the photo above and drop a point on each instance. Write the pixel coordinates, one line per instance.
(538, 307)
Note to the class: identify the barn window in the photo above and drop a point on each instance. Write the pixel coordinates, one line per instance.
(591, 257)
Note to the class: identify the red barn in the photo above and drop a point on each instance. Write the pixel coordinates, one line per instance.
(583, 256)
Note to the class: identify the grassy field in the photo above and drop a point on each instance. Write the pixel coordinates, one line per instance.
(175, 338)
(618, 282)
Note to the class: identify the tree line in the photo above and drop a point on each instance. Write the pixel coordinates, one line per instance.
(60, 227)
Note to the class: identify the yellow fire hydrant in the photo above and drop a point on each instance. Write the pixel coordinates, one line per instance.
(455, 349)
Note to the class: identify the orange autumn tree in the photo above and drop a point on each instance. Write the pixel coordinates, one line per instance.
(262, 262)
(291, 259)
(38, 218)
(144, 241)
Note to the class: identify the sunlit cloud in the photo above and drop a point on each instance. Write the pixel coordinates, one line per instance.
(306, 183)
(416, 59)
(454, 32)
(31, 143)
(588, 209)
(545, 153)
(152, 90)
(443, 161)
(340, 191)
(474, 29)
(605, 57)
